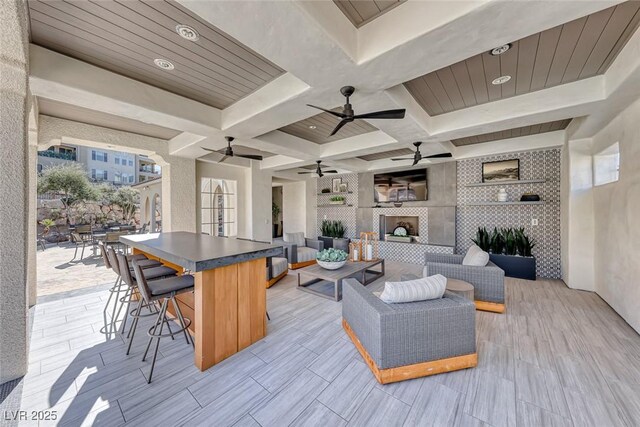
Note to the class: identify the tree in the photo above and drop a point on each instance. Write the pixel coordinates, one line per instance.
(127, 199)
(70, 182)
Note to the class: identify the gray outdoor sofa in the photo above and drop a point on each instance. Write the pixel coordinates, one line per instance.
(487, 281)
(409, 340)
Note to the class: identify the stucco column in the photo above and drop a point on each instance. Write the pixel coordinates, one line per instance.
(13, 189)
(179, 194)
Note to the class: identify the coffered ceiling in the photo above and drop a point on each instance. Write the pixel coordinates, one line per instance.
(127, 36)
(512, 133)
(62, 110)
(317, 128)
(361, 12)
(387, 154)
(577, 50)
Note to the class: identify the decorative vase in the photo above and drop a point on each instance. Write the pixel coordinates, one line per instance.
(328, 265)
(502, 195)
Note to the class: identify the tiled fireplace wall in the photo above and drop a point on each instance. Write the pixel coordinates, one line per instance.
(544, 164)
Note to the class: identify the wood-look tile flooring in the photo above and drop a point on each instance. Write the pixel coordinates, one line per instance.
(558, 357)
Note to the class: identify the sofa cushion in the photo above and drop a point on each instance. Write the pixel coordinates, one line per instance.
(476, 257)
(278, 266)
(294, 238)
(306, 254)
(422, 289)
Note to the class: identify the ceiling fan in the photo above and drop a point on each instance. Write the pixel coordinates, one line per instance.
(348, 115)
(417, 156)
(319, 170)
(228, 152)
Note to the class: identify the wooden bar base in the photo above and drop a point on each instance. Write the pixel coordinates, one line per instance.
(402, 373)
(493, 307)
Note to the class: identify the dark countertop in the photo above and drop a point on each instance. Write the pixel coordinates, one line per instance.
(198, 252)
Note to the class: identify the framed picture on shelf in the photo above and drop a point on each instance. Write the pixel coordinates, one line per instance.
(335, 185)
(344, 187)
(503, 170)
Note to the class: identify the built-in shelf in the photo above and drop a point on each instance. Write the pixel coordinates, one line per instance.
(334, 206)
(541, 202)
(522, 181)
(331, 194)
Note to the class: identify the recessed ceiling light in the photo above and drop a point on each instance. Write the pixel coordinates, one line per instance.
(312, 126)
(164, 64)
(500, 49)
(187, 32)
(501, 80)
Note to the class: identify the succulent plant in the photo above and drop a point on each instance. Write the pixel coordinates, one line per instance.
(332, 255)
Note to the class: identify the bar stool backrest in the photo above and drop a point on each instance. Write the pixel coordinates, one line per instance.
(105, 257)
(141, 281)
(125, 273)
(113, 260)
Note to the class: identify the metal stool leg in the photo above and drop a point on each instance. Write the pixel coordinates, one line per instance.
(153, 333)
(182, 325)
(268, 318)
(122, 303)
(134, 324)
(155, 353)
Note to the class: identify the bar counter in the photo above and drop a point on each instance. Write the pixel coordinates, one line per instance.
(228, 305)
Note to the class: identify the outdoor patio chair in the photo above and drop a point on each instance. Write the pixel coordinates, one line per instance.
(165, 291)
(79, 242)
(301, 251)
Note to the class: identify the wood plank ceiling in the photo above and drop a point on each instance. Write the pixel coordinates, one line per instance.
(362, 12)
(62, 110)
(387, 154)
(512, 133)
(126, 36)
(576, 50)
(317, 128)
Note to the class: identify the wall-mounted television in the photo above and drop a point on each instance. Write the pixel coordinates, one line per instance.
(402, 186)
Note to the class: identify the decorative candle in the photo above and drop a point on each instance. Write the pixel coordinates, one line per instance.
(369, 256)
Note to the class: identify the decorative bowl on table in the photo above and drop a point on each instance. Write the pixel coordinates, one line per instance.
(331, 259)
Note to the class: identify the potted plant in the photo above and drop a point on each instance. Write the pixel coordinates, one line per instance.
(331, 259)
(332, 234)
(275, 212)
(510, 249)
(336, 200)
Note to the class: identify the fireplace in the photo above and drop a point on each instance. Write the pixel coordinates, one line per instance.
(389, 223)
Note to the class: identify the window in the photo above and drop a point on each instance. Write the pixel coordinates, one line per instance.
(99, 156)
(117, 160)
(130, 163)
(606, 165)
(131, 178)
(218, 201)
(99, 174)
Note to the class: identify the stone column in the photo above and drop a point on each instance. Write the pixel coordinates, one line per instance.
(14, 173)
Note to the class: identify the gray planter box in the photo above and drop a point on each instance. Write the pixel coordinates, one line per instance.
(516, 266)
(330, 242)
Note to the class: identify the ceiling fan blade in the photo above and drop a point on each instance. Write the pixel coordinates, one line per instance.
(342, 123)
(210, 149)
(334, 113)
(331, 171)
(438, 156)
(249, 156)
(403, 158)
(223, 159)
(302, 173)
(387, 114)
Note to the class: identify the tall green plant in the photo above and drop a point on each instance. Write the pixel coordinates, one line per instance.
(333, 229)
(71, 182)
(127, 199)
(510, 247)
(482, 239)
(497, 241)
(524, 244)
(338, 230)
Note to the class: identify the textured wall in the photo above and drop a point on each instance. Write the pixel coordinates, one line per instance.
(294, 207)
(544, 164)
(616, 210)
(14, 176)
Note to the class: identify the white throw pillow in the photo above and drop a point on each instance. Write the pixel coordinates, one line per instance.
(476, 257)
(294, 238)
(426, 288)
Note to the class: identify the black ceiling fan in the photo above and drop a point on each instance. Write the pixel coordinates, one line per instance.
(417, 156)
(348, 114)
(319, 170)
(228, 152)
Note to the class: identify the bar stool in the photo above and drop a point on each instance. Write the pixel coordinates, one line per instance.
(129, 279)
(113, 261)
(164, 290)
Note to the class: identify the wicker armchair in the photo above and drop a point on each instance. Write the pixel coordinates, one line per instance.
(299, 250)
(487, 281)
(409, 340)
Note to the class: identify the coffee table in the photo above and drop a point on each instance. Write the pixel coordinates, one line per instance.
(328, 283)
